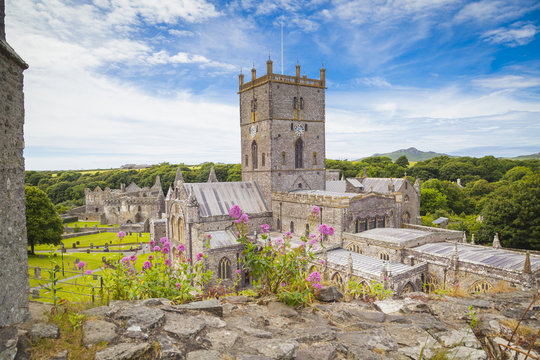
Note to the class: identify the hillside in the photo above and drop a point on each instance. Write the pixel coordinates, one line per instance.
(412, 154)
(526, 157)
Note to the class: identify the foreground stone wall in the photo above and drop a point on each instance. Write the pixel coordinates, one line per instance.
(13, 242)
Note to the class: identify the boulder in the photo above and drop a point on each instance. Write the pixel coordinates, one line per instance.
(329, 294)
(96, 331)
(124, 351)
(204, 355)
(169, 348)
(8, 342)
(317, 351)
(144, 317)
(222, 340)
(212, 306)
(183, 326)
(276, 348)
(44, 331)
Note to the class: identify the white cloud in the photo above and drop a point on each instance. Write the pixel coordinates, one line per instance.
(507, 82)
(513, 36)
(490, 11)
(375, 81)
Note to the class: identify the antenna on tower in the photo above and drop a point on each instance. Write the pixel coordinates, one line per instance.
(281, 47)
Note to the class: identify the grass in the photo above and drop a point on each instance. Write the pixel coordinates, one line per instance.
(81, 224)
(96, 239)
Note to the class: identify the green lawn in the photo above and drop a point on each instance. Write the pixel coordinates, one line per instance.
(81, 224)
(98, 240)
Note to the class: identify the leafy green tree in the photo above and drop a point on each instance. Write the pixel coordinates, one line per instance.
(235, 173)
(402, 161)
(517, 173)
(43, 224)
(431, 201)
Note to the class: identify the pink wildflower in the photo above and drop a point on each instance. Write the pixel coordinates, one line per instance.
(81, 265)
(331, 231)
(150, 258)
(265, 228)
(181, 247)
(282, 284)
(235, 211)
(279, 241)
(314, 277)
(156, 248)
(125, 260)
(313, 241)
(163, 240)
(133, 258)
(165, 250)
(317, 286)
(238, 271)
(209, 237)
(147, 265)
(121, 235)
(315, 210)
(88, 272)
(167, 262)
(242, 219)
(322, 261)
(178, 286)
(199, 256)
(323, 229)
(152, 243)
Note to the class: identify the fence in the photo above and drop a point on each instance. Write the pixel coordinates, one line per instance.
(81, 287)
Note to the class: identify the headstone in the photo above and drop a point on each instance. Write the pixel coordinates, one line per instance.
(91, 245)
(35, 293)
(103, 259)
(55, 254)
(78, 243)
(130, 233)
(74, 245)
(77, 261)
(37, 272)
(88, 251)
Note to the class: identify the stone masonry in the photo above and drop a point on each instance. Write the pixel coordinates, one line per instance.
(13, 243)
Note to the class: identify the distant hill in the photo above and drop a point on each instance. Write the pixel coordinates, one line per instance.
(412, 154)
(526, 157)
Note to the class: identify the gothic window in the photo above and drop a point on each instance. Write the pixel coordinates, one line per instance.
(254, 154)
(365, 224)
(283, 162)
(301, 103)
(380, 222)
(406, 198)
(263, 159)
(481, 286)
(299, 185)
(97, 209)
(336, 278)
(292, 127)
(253, 110)
(246, 160)
(305, 127)
(355, 248)
(406, 218)
(278, 224)
(295, 104)
(356, 225)
(314, 158)
(408, 288)
(384, 256)
(139, 208)
(292, 227)
(299, 154)
(405, 185)
(375, 222)
(430, 283)
(224, 271)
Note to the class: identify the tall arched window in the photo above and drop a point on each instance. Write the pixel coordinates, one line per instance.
(263, 159)
(224, 268)
(292, 227)
(283, 158)
(254, 154)
(299, 154)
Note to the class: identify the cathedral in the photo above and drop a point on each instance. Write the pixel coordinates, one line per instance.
(378, 236)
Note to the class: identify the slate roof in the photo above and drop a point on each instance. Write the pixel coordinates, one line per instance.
(326, 193)
(380, 185)
(216, 198)
(336, 186)
(221, 239)
(505, 259)
(364, 263)
(396, 236)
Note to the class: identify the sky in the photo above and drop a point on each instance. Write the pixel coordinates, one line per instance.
(112, 82)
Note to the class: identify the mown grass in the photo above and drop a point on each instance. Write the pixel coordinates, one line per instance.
(81, 224)
(98, 240)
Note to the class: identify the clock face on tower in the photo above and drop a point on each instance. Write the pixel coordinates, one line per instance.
(253, 130)
(299, 130)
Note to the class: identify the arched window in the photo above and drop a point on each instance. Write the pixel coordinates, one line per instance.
(292, 227)
(384, 256)
(481, 286)
(278, 225)
(224, 270)
(336, 278)
(408, 288)
(283, 157)
(406, 218)
(254, 154)
(430, 283)
(314, 158)
(263, 159)
(299, 154)
(375, 223)
(406, 198)
(246, 162)
(139, 208)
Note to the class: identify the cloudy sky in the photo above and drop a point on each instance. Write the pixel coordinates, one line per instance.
(146, 81)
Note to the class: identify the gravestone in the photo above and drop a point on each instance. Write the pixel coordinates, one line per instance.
(88, 251)
(91, 245)
(35, 293)
(37, 272)
(74, 245)
(78, 243)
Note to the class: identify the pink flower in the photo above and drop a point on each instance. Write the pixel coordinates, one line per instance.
(265, 228)
(209, 237)
(242, 219)
(163, 240)
(313, 241)
(178, 286)
(322, 261)
(330, 231)
(181, 247)
(125, 260)
(239, 271)
(156, 248)
(317, 286)
(81, 265)
(282, 284)
(152, 243)
(167, 262)
(147, 265)
(165, 250)
(288, 234)
(314, 277)
(199, 256)
(150, 258)
(133, 258)
(323, 229)
(315, 210)
(121, 235)
(88, 272)
(279, 241)
(235, 211)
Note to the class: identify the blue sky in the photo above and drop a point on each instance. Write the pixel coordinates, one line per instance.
(145, 81)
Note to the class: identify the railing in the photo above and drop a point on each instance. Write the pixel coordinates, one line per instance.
(282, 78)
(92, 289)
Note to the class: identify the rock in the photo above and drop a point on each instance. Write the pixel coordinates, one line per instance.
(254, 357)
(222, 340)
(416, 307)
(480, 303)
(39, 311)
(428, 348)
(169, 349)
(276, 348)
(373, 316)
(398, 319)
(236, 299)
(466, 353)
(135, 332)
(62, 355)
(515, 312)
(319, 333)
(204, 355)
(124, 351)
(146, 318)
(322, 351)
(410, 336)
(212, 306)
(184, 326)
(99, 311)
(250, 331)
(329, 294)
(96, 331)
(156, 302)
(8, 342)
(44, 330)
(389, 306)
(212, 321)
(377, 339)
(280, 309)
(460, 337)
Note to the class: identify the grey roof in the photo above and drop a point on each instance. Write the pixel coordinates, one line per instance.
(326, 193)
(355, 182)
(440, 220)
(397, 236)
(217, 198)
(500, 258)
(364, 263)
(221, 239)
(380, 185)
(336, 186)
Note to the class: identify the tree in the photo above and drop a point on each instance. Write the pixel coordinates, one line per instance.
(43, 224)
(431, 201)
(402, 161)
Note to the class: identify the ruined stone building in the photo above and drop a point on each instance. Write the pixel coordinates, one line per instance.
(13, 242)
(376, 220)
(127, 205)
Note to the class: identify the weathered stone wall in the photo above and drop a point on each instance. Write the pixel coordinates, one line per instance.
(158, 229)
(13, 242)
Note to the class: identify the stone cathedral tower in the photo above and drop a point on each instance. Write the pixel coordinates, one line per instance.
(282, 121)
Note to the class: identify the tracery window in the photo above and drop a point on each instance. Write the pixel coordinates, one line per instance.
(480, 286)
(224, 268)
(254, 154)
(384, 256)
(299, 154)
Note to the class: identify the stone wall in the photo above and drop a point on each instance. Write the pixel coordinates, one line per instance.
(13, 242)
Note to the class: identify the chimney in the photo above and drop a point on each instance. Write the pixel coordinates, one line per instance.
(2, 24)
(269, 66)
(297, 70)
(253, 74)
